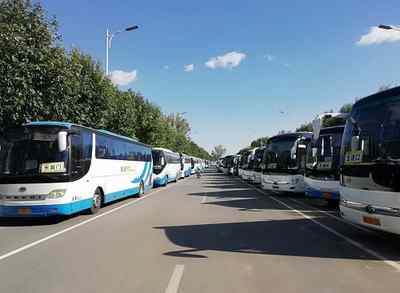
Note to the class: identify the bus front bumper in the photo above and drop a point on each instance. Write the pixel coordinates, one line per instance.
(44, 210)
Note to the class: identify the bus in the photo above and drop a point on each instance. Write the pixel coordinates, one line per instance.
(236, 164)
(56, 168)
(370, 157)
(284, 162)
(256, 166)
(228, 164)
(167, 166)
(186, 166)
(321, 176)
(243, 163)
(247, 172)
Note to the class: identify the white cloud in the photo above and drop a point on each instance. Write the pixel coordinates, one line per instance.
(269, 57)
(119, 77)
(379, 36)
(229, 60)
(188, 68)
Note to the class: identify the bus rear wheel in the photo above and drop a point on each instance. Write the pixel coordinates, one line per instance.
(97, 200)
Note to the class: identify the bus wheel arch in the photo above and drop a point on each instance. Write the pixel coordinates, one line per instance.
(141, 189)
(98, 200)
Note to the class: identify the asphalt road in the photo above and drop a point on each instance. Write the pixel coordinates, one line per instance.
(214, 234)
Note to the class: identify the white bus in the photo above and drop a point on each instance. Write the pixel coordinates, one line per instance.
(284, 162)
(370, 157)
(321, 175)
(186, 166)
(228, 164)
(243, 163)
(247, 172)
(57, 168)
(256, 166)
(167, 166)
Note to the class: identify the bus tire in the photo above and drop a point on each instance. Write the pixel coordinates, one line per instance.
(97, 201)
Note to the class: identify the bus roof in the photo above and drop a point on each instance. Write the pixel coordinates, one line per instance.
(165, 150)
(393, 92)
(293, 134)
(69, 125)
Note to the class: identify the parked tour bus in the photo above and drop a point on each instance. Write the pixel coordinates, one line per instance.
(284, 162)
(370, 157)
(247, 172)
(228, 164)
(58, 168)
(195, 163)
(186, 167)
(257, 162)
(167, 166)
(243, 163)
(236, 164)
(321, 176)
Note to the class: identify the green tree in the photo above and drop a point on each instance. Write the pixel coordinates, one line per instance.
(305, 127)
(218, 152)
(262, 141)
(346, 108)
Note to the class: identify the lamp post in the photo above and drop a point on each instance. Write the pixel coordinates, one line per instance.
(109, 36)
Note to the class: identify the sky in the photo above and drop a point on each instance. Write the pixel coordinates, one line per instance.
(240, 69)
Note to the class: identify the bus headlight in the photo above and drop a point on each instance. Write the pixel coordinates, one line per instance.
(57, 193)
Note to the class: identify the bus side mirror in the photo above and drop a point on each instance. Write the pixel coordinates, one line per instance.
(162, 161)
(62, 141)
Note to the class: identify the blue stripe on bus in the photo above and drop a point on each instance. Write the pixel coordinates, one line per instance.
(315, 193)
(120, 194)
(145, 170)
(46, 210)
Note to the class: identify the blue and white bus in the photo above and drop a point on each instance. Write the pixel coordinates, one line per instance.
(167, 166)
(186, 166)
(321, 175)
(58, 168)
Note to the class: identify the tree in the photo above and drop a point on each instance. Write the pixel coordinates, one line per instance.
(346, 108)
(41, 81)
(262, 141)
(305, 127)
(218, 152)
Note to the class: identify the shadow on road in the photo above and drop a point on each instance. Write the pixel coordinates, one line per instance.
(294, 237)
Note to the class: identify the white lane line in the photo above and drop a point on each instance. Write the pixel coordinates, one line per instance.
(51, 236)
(357, 244)
(333, 216)
(174, 282)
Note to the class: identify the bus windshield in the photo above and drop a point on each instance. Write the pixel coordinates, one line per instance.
(31, 151)
(281, 154)
(324, 153)
(373, 133)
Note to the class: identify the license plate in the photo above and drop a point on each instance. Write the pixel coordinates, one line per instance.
(371, 221)
(327, 195)
(24, 211)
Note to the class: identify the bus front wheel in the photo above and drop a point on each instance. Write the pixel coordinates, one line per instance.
(141, 189)
(97, 200)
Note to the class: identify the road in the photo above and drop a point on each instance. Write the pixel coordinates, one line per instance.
(214, 234)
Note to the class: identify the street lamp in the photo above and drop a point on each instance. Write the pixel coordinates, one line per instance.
(388, 27)
(110, 35)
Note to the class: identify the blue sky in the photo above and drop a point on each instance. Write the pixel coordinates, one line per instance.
(297, 57)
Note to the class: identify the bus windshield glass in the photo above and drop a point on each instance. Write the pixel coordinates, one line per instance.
(324, 153)
(31, 151)
(372, 135)
(281, 153)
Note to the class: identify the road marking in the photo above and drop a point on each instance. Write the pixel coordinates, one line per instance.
(51, 236)
(173, 285)
(333, 216)
(355, 243)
